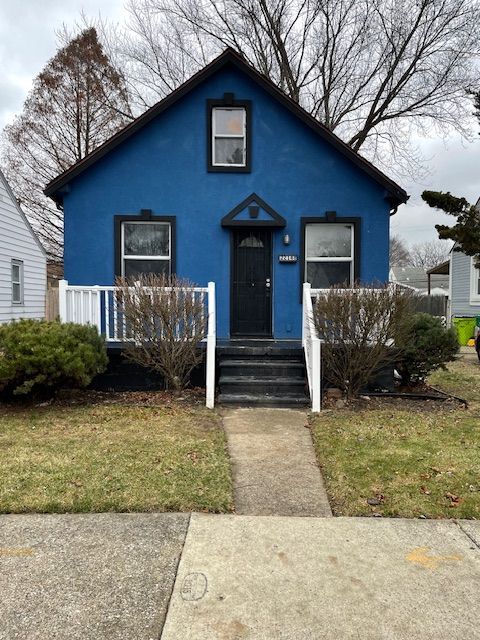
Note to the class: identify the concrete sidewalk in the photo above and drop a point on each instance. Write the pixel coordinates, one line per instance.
(267, 578)
(275, 471)
(105, 576)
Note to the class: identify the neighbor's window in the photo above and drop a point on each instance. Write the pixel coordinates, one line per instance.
(146, 248)
(17, 282)
(329, 255)
(229, 137)
(474, 284)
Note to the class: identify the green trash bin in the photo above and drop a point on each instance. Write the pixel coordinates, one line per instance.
(465, 329)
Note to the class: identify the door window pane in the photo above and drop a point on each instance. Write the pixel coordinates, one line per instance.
(229, 151)
(323, 275)
(229, 121)
(328, 241)
(137, 267)
(146, 239)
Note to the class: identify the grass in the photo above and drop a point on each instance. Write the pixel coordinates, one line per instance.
(100, 457)
(412, 461)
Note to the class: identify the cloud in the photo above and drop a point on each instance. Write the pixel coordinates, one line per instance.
(454, 166)
(28, 40)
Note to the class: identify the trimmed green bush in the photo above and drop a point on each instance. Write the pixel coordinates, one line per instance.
(424, 345)
(40, 357)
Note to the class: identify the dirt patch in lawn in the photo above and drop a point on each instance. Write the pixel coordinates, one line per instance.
(113, 452)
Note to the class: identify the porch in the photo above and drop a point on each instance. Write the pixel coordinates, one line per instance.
(285, 372)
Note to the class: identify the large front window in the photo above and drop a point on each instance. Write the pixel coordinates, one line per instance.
(146, 248)
(329, 255)
(229, 137)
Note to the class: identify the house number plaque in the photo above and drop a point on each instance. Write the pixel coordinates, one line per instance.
(288, 258)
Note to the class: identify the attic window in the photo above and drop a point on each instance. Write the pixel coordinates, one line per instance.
(229, 135)
(228, 139)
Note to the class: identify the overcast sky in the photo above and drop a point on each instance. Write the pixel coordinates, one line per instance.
(27, 41)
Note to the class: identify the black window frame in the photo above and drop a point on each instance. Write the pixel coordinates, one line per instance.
(228, 100)
(331, 218)
(145, 215)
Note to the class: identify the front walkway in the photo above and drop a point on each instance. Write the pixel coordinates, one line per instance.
(275, 471)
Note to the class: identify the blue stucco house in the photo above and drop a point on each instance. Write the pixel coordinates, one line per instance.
(229, 180)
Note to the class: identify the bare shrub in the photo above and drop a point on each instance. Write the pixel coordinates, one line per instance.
(164, 323)
(358, 326)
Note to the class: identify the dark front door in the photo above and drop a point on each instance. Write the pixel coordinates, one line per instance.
(251, 282)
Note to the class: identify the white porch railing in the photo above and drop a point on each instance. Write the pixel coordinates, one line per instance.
(312, 348)
(98, 305)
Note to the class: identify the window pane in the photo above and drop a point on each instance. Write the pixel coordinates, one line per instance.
(229, 151)
(15, 272)
(328, 240)
(149, 239)
(136, 267)
(323, 275)
(16, 293)
(229, 121)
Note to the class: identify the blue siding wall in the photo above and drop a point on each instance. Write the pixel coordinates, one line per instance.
(163, 167)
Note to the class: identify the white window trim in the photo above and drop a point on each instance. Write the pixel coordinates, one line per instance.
(242, 136)
(128, 256)
(474, 277)
(18, 263)
(350, 259)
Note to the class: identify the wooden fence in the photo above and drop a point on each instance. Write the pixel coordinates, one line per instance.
(435, 305)
(51, 304)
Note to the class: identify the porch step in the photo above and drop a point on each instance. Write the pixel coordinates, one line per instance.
(262, 375)
(263, 367)
(264, 385)
(251, 399)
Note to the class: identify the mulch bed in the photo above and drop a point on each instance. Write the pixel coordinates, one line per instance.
(74, 397)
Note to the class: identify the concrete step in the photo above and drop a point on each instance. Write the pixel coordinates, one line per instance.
(262, 400)
(262, 367)
(261, 385)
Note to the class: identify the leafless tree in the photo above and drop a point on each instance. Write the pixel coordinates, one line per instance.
(399, 253)
(370, 70)
(358, 327)
(77, 101)
(428, 254)
(165, 323)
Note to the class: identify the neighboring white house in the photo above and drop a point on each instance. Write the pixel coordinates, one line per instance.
(23, 262)
(464, 284)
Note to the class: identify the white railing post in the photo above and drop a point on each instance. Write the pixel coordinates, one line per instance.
(98, 309)
(62, 300)
(211, 345)
(316, 375)
(306, 295)
(312, 349)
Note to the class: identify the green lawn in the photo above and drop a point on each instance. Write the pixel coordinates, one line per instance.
(415, 460)
(112, 457)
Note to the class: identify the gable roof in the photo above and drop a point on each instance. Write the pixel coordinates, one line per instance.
(228, 57)
(20, 211)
